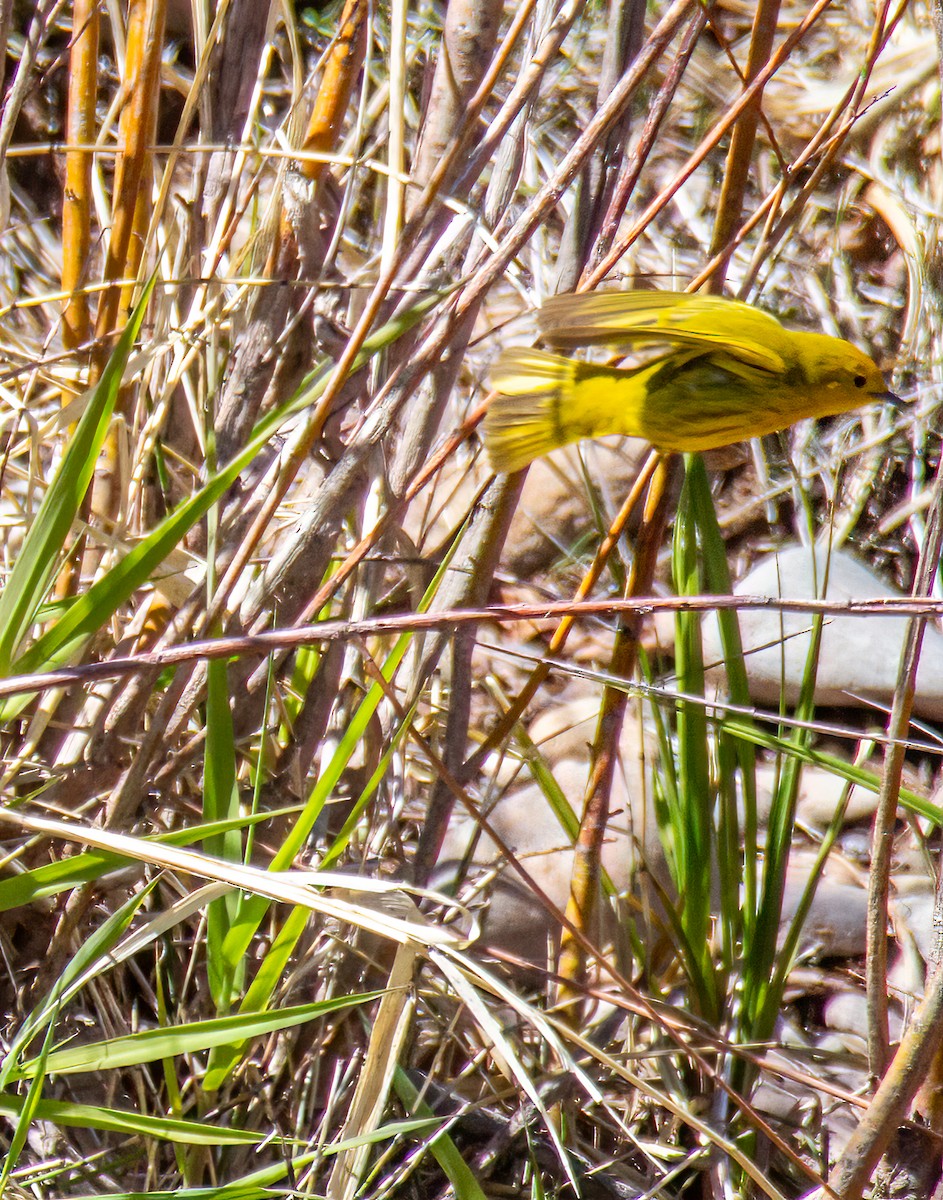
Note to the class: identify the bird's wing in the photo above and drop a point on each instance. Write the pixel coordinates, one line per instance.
(676, 318)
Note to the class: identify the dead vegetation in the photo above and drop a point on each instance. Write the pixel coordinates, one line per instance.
(253, 271)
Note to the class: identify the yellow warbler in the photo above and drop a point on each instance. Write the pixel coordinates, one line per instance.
(710, 371)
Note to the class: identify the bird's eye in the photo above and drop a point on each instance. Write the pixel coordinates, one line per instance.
(859, 381)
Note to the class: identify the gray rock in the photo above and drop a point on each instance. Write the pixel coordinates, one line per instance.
(836, 924)
(859, 657)
(820, 793)
(846, 1013)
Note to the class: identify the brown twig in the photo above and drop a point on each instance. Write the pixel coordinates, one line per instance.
(740, 154)
(879, 1123)
(286, 639)
(883, 834)
(469, 580)
(584, 882)
(468, 42)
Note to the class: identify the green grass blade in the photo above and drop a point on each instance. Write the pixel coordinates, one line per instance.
(762, 995)
(693, 838)
(223, 1059)
(40, 555)
(747, 731)
(259, 1185)
(738, 848)
(152, 1044)
(253, 908)
(221, 803)
(93, 1116)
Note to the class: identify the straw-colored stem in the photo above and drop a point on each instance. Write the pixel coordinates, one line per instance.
(338, 79)
(77, 193)
(132, 169)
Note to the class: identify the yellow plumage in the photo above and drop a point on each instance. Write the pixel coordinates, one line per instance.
(712, 371)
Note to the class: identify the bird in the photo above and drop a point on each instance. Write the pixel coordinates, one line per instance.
(707, 371)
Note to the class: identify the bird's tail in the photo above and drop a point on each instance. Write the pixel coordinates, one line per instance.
(527, 418)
